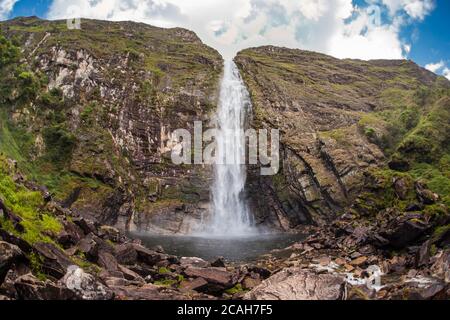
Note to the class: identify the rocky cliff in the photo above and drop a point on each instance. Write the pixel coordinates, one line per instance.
(349, 128)
(88, 113)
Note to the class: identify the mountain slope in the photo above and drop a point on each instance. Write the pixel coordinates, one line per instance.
(342, 122)
(89, 113)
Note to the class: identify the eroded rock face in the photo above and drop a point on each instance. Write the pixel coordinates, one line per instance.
(298, 284)
(330, 139)
(120, 90)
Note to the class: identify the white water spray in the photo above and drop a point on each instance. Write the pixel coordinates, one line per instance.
(230, 216)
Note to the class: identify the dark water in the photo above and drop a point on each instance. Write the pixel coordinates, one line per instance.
(242, 249)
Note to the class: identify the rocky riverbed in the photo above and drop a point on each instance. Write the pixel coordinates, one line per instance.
(89, 261)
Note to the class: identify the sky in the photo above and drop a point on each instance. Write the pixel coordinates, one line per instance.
(362, 29)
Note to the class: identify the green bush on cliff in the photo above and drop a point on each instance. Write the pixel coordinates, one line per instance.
(27, 205)
(59, 143)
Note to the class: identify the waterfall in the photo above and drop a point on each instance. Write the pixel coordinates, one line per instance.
(230, 216)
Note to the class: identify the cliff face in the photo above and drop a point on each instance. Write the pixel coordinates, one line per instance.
(89, 113)
(342, 123)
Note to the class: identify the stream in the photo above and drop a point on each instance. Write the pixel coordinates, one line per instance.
(235, 249)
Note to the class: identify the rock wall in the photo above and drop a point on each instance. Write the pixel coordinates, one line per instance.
(336, 120)
(117, 90)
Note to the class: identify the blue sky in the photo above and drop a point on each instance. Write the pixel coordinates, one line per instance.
(414, 29)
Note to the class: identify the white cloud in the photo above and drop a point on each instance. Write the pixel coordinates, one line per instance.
(446, 73)
(434, 67)
(335, 27)
(6, 7)
(416, 9)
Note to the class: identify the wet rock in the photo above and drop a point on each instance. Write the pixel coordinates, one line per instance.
(9, 255)
(85, 286)
(126, 254)
(55, 262)
(194, 262)
(150, 257)
(298, 284)
(359, 293)
(28, 287)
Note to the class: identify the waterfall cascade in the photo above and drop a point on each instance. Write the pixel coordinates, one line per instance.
(230, 216)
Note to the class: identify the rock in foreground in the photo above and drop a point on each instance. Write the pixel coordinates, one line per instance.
(298, 284)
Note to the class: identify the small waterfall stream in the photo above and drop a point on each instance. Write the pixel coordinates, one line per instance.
(230, 216)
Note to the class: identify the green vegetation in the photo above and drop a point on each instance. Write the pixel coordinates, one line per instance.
(27, 205)
(60, 143)
(236, 289)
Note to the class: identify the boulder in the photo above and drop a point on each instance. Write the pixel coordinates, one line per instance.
(360, 261)
(85, 225)
(219, 263)
(441, 265)
(70, 235)
(84, 285)
(54, 261)
(218, 278)
(89, 248)
(131, 275)
(194, 262)
(109, 233)
(106, 260)
(125, 254)
(405, 232)
(298, 284)
(151, 257)
(263, 272)
(9, 255)
(22, 244)
(28, 287)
